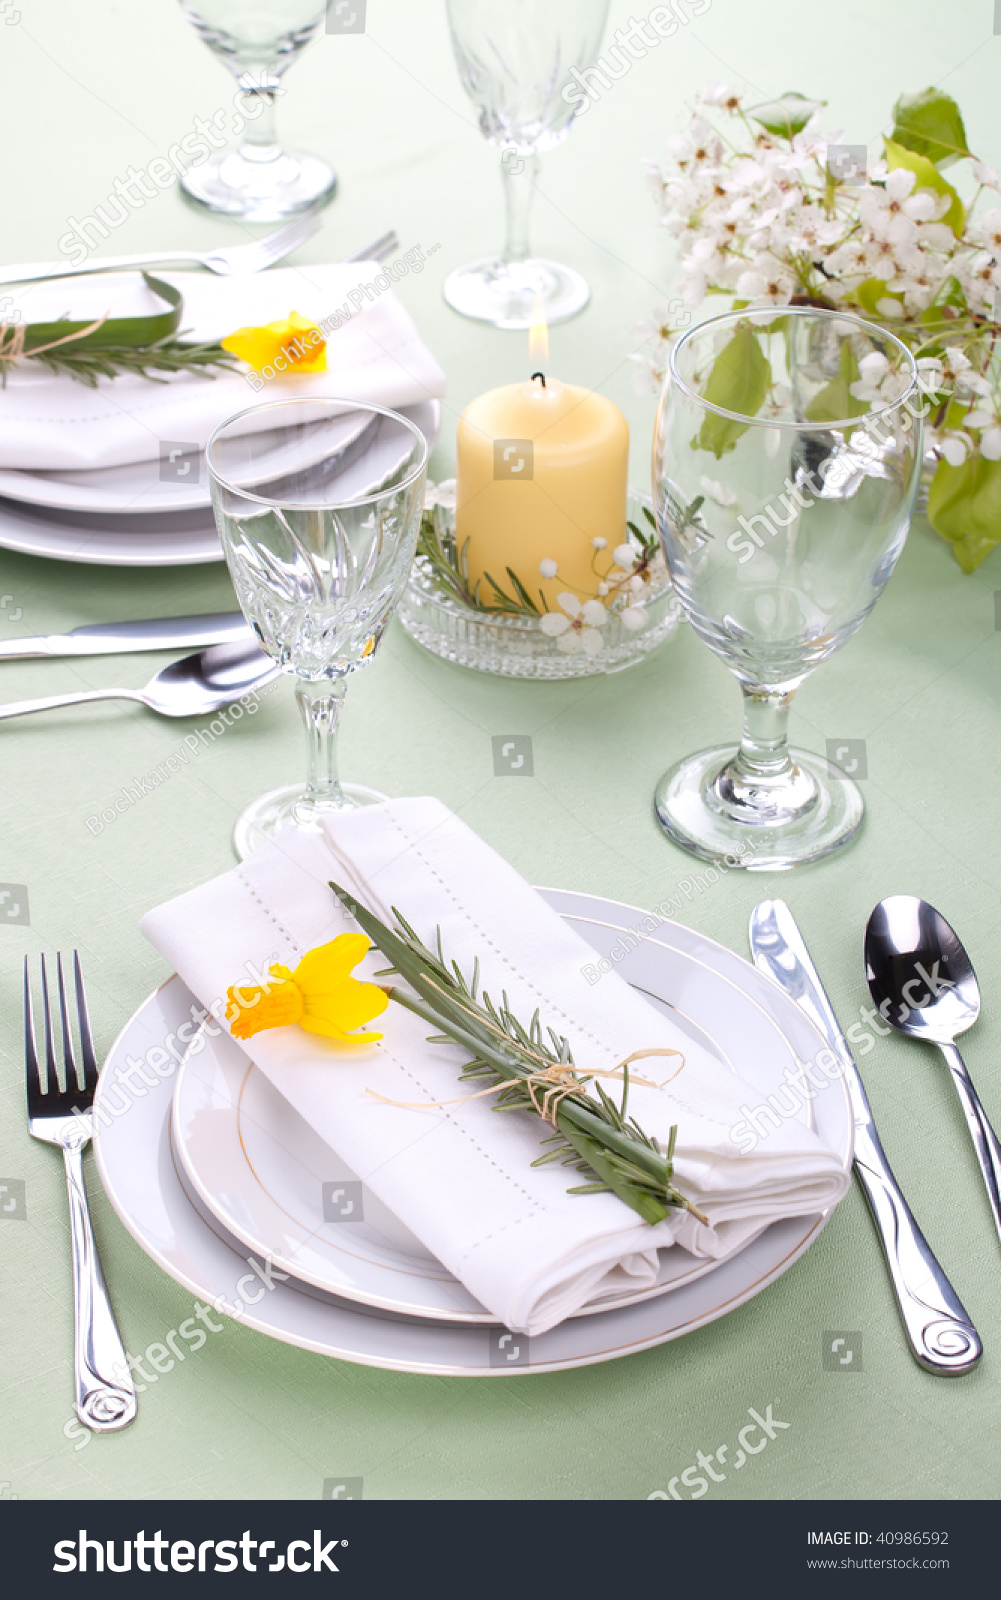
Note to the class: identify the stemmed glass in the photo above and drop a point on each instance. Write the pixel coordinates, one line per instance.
(787, 455)
(258, 43)
(318, 506)
(515, 59)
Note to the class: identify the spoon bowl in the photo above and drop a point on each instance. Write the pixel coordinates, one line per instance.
(919, 975)
(924, 985)
(209, 679)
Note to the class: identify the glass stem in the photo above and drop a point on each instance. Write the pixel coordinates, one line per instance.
(320, 707)
(764, 743)
(520, 174)
(260, 139)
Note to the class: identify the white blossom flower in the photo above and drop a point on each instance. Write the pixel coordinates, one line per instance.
(548, 567)
(634, 618)
(598, 543)
(440, 494)
(624, 556)
(986, 175)
(990, 443)
(602, 589)
(717, 491)
(954, 447)
(575, 626)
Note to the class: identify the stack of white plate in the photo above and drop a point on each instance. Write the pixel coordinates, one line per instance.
(224, 1185)
(147, 514)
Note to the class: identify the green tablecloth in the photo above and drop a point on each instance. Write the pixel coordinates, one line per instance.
(89, 90)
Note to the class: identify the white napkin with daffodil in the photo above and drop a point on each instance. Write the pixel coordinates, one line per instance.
(459, 1175)
(366, 347)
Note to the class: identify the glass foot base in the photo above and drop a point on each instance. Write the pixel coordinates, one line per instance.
(275, 813)
(508, 293)
(782, 825)
(260, 191)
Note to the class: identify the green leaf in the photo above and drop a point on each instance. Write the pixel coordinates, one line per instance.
(787, 115)
(964, 506)
(137, 332)
(948, 296)
(928, 177)
(835, 400)
(930, 123)
(870, 292)
(738, 382)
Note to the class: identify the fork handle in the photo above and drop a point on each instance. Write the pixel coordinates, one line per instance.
(105, 1392)
(20, 708)
(42, 271)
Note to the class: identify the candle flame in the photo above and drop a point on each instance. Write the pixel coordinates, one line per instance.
(538, 338)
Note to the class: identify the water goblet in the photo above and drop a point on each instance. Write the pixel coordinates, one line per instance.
(787, 456)
(318, 506)
(259, 181)
(515, 59)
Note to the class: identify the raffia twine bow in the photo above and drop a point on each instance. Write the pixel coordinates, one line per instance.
(13, 335)
(554, 1083)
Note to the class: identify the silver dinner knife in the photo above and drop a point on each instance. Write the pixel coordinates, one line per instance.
(941, 1335)
(127, 638)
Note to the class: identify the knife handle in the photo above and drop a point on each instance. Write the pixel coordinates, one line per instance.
(938, 1327)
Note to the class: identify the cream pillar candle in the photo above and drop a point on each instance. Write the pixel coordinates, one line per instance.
(541, 475)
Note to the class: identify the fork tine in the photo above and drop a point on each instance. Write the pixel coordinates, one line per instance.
(33, 1074)
(51, 1071)
(69, 1059)
(86, 1037)
(297, 231)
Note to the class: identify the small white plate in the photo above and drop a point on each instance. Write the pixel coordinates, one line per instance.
(139, 488)
(260, 1169)
(137, 1169)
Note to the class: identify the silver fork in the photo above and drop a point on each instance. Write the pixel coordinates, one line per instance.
(105, 1393)
(255, 257)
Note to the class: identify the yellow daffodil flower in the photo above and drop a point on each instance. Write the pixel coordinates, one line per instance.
(320, 995)
(294, 344)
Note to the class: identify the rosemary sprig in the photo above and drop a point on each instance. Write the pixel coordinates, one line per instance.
(594, 1135)
(108, 361)
(450, 566)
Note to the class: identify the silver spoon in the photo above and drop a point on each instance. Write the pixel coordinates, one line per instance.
(923, 983)
(191, 687)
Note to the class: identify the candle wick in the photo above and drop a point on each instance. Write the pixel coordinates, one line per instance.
(540, 375)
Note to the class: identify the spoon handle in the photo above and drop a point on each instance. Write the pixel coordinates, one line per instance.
(985, 1140)
(20, 708)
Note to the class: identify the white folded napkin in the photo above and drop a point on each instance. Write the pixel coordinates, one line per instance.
(51, 423)
(461, 1176)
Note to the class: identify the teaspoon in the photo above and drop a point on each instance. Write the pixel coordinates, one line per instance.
(190, 687)
(923, 983)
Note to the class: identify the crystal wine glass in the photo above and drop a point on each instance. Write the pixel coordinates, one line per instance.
(258, 42)
(318, 506)
(787, 456)
(515, 59)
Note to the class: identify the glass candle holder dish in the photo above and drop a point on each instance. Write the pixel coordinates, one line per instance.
(437, 618)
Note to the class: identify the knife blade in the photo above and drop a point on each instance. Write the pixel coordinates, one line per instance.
(128, 638)
(941, 1335)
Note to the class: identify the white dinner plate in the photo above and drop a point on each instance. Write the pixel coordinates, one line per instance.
(135, 1161)
(142, 487)
(260, 1169)
(161, 539)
